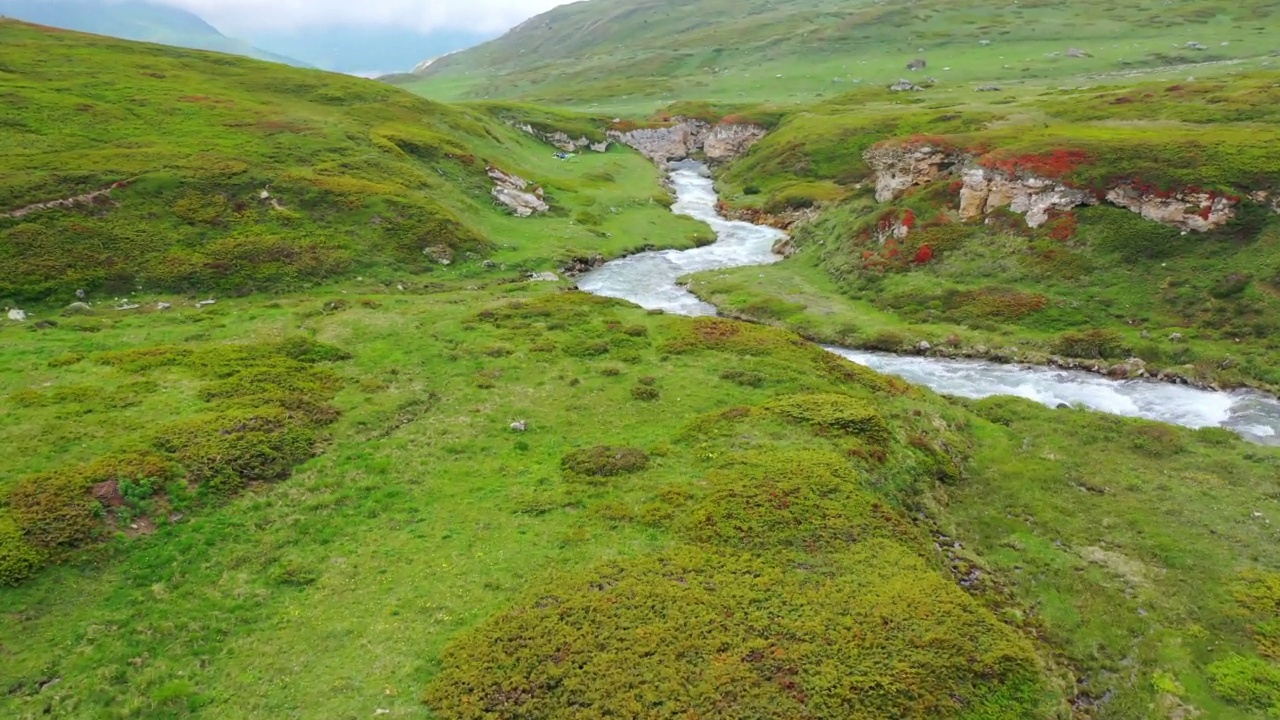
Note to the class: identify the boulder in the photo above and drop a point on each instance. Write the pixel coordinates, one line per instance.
(77, 308)
(511, 190)
(917, 64)
(17, 315)
(905, 86)
(899, 167)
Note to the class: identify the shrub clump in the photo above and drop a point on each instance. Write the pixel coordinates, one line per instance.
(696, 633)
(239, 446)
(837, 413)
(645, 393)
(55, 510)
(18, 558)
(1094, 344)
(604, 461)
(799, 500)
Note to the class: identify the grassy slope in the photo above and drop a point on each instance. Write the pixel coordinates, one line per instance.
(430, 553)
(1093, 268)
(368, 176)
(630, 57)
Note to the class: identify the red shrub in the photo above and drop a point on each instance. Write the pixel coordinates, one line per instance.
(923, 255)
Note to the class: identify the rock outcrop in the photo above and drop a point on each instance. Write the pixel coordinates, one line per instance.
(986, 190)
(727, 142)
(899, 167)
(1268, 198)
(720, 143)
(511, 191)
(561, 140)
(1198, 211)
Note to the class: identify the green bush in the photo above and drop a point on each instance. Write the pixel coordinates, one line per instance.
(604, 461)
(691, 633)
(55, 511)
(798, 500)
(18, 558)
(238, 446)
(839, 413)
(1094, 344)
(745, 378)
(1250, 682)
(645, 393)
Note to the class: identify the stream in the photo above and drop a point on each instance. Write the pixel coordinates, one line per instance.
(650, 280)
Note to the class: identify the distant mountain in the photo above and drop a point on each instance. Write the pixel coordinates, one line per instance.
(135, 20)
(368, 50)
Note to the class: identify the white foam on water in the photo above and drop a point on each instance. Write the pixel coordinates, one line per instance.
(650, 280)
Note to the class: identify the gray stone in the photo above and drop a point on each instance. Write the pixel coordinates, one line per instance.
(1175, 337)
(163, 306)
(924, 346)
(17, 315)
(77, 308)
(905, 86)
(544, 277)
(917, 64)
(990, 88)
(81, 294)
(520, 426)
(1077, 53)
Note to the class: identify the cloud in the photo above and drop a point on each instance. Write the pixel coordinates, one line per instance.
(426, 15)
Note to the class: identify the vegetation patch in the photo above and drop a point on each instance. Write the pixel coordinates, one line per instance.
(604, 461)
(837, 413)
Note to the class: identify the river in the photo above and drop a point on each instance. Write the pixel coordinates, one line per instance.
(650, 280)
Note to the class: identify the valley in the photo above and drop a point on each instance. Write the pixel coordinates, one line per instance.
(325, 399)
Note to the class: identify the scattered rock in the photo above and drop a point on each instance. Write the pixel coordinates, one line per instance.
(561, 140)
(990, 88)
(1077, 53)
(1193, 45)
(205, 303)
(1175, 337)
(905, 86)
(509, 190)
(984, 43)
(917, 64)
(81, 294)
(580, 265)
(439, 254)
(543, 277)
(520, 426)
(924, 346)
(488, 264)
(126, 305)
(17, 315)
(163, 306)
(77, 308)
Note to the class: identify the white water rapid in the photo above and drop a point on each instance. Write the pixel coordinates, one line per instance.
(650, 281)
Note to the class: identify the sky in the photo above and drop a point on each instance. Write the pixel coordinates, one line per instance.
(246, 16)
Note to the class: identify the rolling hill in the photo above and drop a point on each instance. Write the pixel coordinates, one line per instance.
(135, 20)
(630, 56)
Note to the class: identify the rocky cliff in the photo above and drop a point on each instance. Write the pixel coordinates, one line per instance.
(983, 189)
(719, 143)
(562, 140)
(512, 191)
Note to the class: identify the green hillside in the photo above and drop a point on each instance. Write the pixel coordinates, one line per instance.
(625, 55)
(386, 473)
(361, 177)
(134, 20)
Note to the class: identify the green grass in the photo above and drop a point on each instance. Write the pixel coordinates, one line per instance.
(310, 500)
(627, 57)
(363, 177)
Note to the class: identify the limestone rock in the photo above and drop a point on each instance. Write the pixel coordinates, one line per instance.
(544, 277)
(561, 140)
(990, 88)
(899, 167)
(17, 315)
(905, 86)
(985, 190)
(727, 142)
(1077, 53)
(661, 145)
(1199, 211)
(510, 190)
